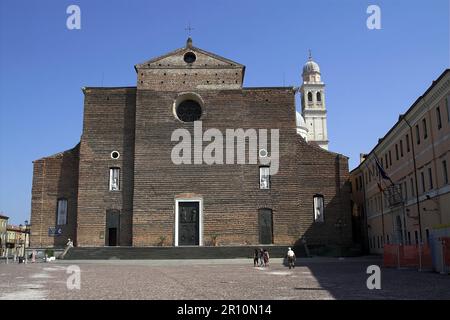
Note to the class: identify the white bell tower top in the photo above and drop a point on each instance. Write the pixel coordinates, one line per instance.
(313, 103)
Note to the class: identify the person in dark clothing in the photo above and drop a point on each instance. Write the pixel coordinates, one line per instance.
(266, 258)
(255, 258)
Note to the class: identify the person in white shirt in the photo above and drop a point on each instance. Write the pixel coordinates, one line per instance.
(291, 258)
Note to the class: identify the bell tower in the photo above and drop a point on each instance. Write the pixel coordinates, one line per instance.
(313, 104)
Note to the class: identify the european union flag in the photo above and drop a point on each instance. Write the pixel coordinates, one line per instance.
(382, 172)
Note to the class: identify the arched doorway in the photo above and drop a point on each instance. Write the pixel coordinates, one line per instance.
(265, 222)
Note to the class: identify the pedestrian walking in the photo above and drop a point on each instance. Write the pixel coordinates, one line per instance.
(266, 258)
(255, 257)
(291, 258)
(261, 258)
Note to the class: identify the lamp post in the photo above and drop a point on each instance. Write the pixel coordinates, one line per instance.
(27, 239)
(402, 117)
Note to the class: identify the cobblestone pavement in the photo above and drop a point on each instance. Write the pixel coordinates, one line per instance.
(315, 278)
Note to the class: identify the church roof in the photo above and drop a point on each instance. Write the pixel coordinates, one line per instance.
(59, 154)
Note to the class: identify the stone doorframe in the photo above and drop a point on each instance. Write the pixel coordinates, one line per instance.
(200, 219)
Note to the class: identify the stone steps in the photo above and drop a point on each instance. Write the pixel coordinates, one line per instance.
(143, 253)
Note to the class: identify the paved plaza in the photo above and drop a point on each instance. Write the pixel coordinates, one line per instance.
(237, 279)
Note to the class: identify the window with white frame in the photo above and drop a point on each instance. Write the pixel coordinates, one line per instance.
(318, 208)
(264, 177)
(114, 179)
(62, 212)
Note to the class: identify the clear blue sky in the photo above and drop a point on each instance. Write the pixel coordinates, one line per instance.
(371, 75)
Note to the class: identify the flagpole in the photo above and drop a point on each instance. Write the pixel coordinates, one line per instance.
(402, 117)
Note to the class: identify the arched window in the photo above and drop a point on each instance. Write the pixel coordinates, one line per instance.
(319, 96)
(309, 97)
(114, 179)
(318, 208)
(61, 212)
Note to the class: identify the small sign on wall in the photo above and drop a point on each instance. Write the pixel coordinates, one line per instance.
(102, 234)
(54, 232)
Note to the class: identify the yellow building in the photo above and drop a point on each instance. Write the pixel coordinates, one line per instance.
(17, 240)
(3, 224)
(407, 195)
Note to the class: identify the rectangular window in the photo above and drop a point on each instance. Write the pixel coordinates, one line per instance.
(407, 143)
(430, 176)
(114, 179)
(404, 190)
(62, 212)
(396, 152)
(416, 237)
(427, 234)
(390, 158)
(422, 176)
(448, 108)
(444, 171)
(412, 187)
(387, 239)
(438, 118)
(425, 131)
(386, 160)
(417, 134)
(264, 177)
(401, 148)
(318, 208)
(409, 238)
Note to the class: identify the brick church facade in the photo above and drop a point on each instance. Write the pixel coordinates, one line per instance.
(120, 187)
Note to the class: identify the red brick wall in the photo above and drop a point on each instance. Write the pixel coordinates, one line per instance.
(53, 178)
(231, 193)
(108, 126)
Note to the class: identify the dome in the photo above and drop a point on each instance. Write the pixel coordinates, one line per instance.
(302, 130)
(311, 67)
(300, 120)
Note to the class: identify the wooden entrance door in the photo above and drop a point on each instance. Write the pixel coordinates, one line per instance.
(188, 223)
